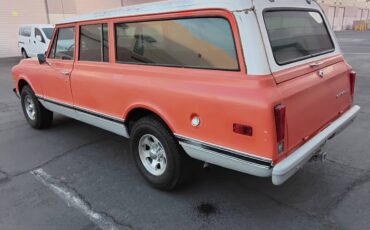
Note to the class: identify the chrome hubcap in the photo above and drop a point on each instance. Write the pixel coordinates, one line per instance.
(30, 107)
(152, 155)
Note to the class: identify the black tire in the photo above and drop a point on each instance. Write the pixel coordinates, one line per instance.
(178, 167)
(42, 118)
(24, 54)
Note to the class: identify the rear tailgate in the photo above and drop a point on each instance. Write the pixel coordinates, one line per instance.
(311, 75)
(313, 101)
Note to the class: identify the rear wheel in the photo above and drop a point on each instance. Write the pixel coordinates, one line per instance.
(24, 54)
(36, 115)
(158, 156)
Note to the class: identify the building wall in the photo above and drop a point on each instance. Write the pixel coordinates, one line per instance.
(85, 6)
(16, 12)
(60, 9)
(12, 14)
(341, 14)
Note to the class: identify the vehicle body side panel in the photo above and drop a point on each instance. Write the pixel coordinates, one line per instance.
(219, 98)
(30, 71)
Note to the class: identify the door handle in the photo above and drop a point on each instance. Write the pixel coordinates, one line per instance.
(65, 73)
(315, 64)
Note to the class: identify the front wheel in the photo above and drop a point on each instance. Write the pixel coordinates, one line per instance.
(37, 116)
(157, 154)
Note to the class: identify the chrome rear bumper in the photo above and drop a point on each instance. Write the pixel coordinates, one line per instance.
(262, 167)
(289, 166)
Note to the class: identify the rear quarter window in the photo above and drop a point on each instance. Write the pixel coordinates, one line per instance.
(297, 35)
(205, 43)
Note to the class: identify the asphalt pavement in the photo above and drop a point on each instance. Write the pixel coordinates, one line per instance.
(75, 176)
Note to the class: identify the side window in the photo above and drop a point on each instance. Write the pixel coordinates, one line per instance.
(94, 43)
(63, 45)
(25, 31)
(38, 33)
(205, 43)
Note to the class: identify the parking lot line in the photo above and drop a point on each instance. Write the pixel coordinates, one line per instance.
(73, 199)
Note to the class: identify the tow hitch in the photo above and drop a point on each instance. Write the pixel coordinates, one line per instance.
(319, 155)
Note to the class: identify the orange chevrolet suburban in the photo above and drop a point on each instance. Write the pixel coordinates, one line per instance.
(253, 86)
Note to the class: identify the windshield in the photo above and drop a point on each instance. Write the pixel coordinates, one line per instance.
(297, 35)
(48, 32)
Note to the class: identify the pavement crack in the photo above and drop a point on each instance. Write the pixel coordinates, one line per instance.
(65, 153)
(90, 206)
(322, 219)
(76, 200)
(356, 183)
(4, 177)
(364, 112)
(344, 165)
(330, 224)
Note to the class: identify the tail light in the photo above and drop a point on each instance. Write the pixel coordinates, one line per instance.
(280, 126)
(352, 80)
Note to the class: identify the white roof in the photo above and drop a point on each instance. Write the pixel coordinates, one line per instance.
(166, 6)
(37, 25)
(163, 7)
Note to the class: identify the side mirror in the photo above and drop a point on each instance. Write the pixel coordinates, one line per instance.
(41, 58)
(39, 38)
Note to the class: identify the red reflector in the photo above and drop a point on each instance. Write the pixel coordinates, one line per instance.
(352, 80)
(243, 129)
(280, 126)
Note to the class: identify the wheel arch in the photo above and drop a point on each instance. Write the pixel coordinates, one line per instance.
(136, 112)
(22, 82)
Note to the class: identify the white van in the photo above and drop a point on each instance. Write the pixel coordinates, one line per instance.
(34, 39)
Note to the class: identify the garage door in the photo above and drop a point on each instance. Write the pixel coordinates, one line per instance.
(331, 15)
(365, 14)
(338, 19)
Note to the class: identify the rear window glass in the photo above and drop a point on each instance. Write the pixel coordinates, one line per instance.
(297, 35)
(194, 43)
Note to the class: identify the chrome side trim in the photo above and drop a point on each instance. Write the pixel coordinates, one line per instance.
(226, 157)
(114, 127)
(64, 110)
(82, 109)
(289, 166)
(101, 121)
(222, 148)
(226, 161)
